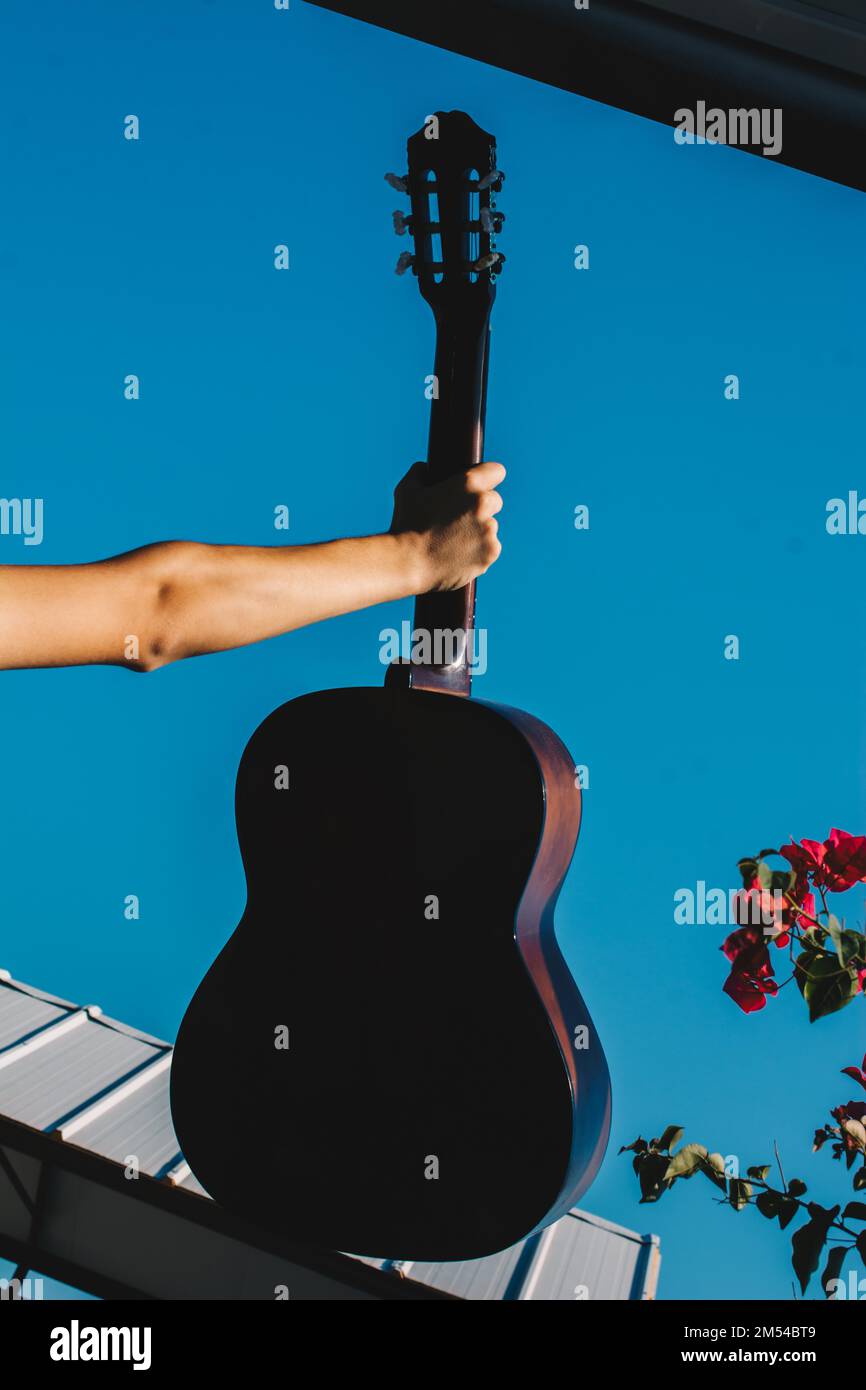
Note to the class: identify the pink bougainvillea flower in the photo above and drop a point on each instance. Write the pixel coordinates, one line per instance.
(836, 865)
(845, 860)
(749, 993)
(742, 940)
(754, 907)
(750, 980)
(858, 1073)
(851, 1143)
(806, 857)
(854, 1110)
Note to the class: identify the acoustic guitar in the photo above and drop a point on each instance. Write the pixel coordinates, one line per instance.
(389, 1056)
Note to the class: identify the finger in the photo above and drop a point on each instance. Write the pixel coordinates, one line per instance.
(493, 552)
(489, 503)
(484, 476)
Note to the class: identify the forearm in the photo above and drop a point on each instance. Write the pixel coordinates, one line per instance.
(227, 596)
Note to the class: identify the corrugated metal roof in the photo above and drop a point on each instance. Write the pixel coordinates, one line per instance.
(580, 1257)
(93, 1080)
(102, 1086)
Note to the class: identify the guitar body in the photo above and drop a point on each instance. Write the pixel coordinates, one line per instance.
(437, 1098)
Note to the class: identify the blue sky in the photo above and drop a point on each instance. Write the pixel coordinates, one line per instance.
(707, 518)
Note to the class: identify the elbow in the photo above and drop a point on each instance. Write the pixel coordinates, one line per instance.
(150, 655)
(153, 659)
(168, 585)
(162, 645)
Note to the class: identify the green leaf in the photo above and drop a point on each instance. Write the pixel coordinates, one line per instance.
(860, 1179)
(833, 1268)
(796, 1188)
(855, 1211)
(848, 943)
(686, 1161)
(651, 1175)
(815, 936)
(787, 1212)
(759, 1174)
(803, 965)
(825, 986)
(858, 945)
(775, 1204)
(714, 1168)
(639, 1146)
(857, 1131)
(808, 1242)
(672, 1135)
(773, 880)
(739, 1193)
(769, 1204)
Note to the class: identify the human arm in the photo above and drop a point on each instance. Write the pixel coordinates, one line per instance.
(177, 599)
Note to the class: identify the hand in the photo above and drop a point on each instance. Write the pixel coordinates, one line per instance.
(450, 526)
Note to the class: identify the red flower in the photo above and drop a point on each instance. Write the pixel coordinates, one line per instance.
(845, 860)
(858, 1073)
(854, 1110)
(750, 980)
(836, 865)
(748, 993)
(741, 941)
(754, 906)
(851, 1144)
(806, 857)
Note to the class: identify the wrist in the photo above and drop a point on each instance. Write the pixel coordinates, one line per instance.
(415, 564)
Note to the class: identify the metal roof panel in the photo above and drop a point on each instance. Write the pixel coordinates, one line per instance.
(21, 1014)
(104, 1087)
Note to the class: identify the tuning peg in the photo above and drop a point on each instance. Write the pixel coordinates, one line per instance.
(402, 224)
(404, 261)
(493, 258)
(400, 184)
(495, 176)
(491, 221)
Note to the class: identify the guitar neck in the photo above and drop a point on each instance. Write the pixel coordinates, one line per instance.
(456, 443)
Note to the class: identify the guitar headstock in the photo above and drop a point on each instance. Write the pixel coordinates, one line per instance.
(452, 184)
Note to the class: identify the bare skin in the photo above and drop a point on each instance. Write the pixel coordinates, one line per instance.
(180, 598)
